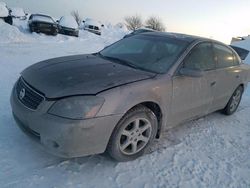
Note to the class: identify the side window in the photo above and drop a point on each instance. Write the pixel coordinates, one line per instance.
(201, 58)
(225, 56)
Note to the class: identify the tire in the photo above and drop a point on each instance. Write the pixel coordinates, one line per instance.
(31, 29)
(234, 101)
(133, 134)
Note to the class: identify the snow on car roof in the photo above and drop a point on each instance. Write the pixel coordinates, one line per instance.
(17, 12)
(42, 18)
(4, 12)
(68, 21)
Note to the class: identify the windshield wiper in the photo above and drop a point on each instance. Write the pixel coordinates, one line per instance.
(123, 62)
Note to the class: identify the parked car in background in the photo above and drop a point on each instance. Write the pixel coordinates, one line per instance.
(40, 23)
(18, 13)
(138, 31)
(92, 26)
(5, 13)
(68, 26)
(122, 98)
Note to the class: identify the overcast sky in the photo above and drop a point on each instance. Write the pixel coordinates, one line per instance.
(218, 19)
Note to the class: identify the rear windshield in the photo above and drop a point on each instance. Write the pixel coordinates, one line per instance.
(42, 18)
(151, 53)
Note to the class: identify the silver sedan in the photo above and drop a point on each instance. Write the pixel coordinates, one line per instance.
(122, 98)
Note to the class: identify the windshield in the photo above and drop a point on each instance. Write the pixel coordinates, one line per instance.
(151, 53)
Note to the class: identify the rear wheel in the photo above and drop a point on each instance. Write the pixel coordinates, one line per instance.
(133, 134)
(234, 101)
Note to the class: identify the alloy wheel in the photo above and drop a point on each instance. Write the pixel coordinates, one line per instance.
(235, 100)
(135, 136)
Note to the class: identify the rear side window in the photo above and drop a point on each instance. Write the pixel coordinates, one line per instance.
(225, 56)
(201, 58)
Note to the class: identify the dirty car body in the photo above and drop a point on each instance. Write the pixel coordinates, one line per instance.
(71, 105)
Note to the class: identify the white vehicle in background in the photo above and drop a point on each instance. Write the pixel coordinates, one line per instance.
(92, 26)
(68, 26)
(5, 13)
(18, 13)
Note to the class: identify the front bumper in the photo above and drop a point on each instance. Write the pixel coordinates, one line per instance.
(70, 32)
(64, 137)
(93, 31)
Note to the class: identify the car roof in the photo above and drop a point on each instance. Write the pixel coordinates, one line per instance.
(41, 15)
(180, 36)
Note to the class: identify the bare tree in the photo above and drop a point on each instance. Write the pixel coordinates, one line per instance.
(77, 16)
(155, 23)
(133, 22)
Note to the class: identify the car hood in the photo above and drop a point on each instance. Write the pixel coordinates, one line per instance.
(79, 75)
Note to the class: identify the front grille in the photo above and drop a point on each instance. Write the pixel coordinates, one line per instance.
(93, 27)
(27, 95)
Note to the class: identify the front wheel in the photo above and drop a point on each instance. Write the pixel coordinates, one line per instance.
(234, 101)
(133, 134)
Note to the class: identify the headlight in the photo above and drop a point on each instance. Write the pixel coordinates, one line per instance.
(80, 107)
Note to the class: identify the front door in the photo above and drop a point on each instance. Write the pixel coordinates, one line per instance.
(192, 96)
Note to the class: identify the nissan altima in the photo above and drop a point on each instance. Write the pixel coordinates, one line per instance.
(120, 99)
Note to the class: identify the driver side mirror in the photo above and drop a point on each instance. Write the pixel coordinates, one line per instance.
(191, 72)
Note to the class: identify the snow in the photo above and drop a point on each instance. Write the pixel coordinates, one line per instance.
(4, 12)
(17, 12)
(210, 152)
(42, 18)
(12, 34)
(3, 3)
(68, 21)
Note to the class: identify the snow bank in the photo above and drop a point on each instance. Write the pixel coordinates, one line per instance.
(3, 3)
(68, 21)
(11, 34)
(4, 12)
(17, 12)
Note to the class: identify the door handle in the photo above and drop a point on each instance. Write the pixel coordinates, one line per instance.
(213, 83)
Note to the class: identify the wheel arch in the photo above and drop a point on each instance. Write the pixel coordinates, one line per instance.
(243, 86)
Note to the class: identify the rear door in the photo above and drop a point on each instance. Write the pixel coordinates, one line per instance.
(192, 96)
(228, 75)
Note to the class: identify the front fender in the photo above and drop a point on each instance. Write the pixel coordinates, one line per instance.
(121, 99)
